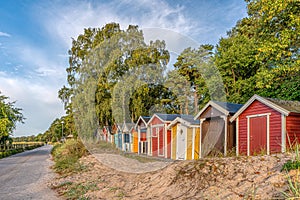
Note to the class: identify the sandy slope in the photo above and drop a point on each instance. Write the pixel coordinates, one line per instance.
(218, 178)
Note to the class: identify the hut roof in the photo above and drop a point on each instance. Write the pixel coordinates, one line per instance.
(282, 106)
(224, 107)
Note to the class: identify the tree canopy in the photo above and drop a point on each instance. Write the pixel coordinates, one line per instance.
(10, 115)
(114, 76)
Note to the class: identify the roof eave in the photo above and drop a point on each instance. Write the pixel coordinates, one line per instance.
(262, 100)
(213, 104)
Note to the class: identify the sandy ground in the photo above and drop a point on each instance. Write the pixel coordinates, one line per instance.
(216, 178)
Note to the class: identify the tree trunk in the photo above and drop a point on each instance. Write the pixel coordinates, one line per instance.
(186, 105)
(196, 100)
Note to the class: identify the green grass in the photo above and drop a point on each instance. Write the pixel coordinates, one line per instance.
(67, 155)
(77, 191)
(141, 159)
(11, 152)
(293, 191)
(72, 190)
(106, 147)
(292, 164)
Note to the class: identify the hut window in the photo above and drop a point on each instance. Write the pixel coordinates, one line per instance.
(126, 138)
(181, 131)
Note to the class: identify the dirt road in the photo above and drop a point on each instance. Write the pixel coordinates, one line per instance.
(25, 175)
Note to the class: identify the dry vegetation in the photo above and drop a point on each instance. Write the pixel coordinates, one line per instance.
(258, 177)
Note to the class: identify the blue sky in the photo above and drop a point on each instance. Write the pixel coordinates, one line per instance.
(35, 36)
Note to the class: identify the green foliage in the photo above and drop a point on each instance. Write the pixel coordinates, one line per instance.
(9, 117)
(293, 191)
(66, 156)
(261, 53)
(106, 66)
(197, 67)
(292, 164)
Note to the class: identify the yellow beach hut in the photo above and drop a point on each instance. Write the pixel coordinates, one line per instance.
(185, 138)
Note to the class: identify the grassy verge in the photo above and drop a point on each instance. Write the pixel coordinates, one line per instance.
(66, 156)
(11, 152)
(293, 183)
(106, 147)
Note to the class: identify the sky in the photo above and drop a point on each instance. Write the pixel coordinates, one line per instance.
(35, 36)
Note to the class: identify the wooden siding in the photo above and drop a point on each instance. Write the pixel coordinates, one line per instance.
(116, 140)
(231, 136)
(135, 142)
(211, 112)
(189, 147)
(174, 139)
(156, 120)
(168, 147)
(196, 143)
(161, 141)
(155, 136)
(292, 130)
(275, 126)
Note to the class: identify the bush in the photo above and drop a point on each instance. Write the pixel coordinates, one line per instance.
(66, 156)
(290, 165)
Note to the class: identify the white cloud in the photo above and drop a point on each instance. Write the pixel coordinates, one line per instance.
(39, 103)
(68, 21)
(4, 34)
(40, 63)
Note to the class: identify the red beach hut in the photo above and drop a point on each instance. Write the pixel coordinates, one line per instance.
(265, 125)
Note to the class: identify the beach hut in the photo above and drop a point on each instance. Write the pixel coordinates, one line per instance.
(185, 137)
(107, 134)
(134, 139)
(117, 133)
(217, 134)
(160, 138)
(126, 136)
(265, 125)
(141, 127)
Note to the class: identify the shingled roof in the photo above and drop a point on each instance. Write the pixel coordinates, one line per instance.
(282, 106)
(230, 107)
(167, 117)
(224, 107)
(292, 106)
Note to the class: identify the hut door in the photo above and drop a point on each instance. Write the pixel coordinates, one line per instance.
(181, 142)
(258, 134)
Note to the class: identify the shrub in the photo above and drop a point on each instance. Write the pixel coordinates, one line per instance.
(293, 164)
(66, 156)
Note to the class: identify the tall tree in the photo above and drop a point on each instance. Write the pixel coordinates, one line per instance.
(197, 67)
(100, 59)
(262, 51)
(10, 115)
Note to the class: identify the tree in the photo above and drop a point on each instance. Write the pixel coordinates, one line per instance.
(261, 53)
(181, 89)
(9, 117)
(196, 66)
(100, 61)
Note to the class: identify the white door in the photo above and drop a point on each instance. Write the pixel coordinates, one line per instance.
(181, 142)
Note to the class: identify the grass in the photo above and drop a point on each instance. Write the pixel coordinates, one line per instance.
(72, 190)
(11, 152)
(77, 191)
(292, 164)
(251, 193)
(141, 159)
(293, 191)
(67, 155)
(106, 147)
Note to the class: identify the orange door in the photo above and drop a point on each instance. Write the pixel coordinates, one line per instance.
(258, 134)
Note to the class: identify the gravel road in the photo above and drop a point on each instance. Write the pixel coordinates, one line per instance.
(25, 175)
